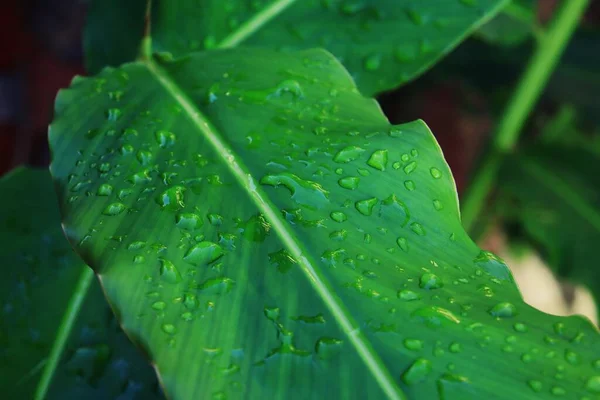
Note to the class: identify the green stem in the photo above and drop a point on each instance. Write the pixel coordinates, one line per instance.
(255, 23)
(64, 330)
(550, 48)
(146, 45)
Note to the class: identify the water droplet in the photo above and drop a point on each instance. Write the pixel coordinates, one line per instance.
(338, 216)
(402, 243)
(188, 221)
(168, 271)
(455, 347)
(114, 209)
(190, 301)
(348, 154)
(272, 313)
(104, 190)
(165, 138)
(410, 167)
(417, 228)
(203, 253)
(413, 344)
(558, 391)
(282, 260)
(304, 192)
(430, 281)
(408, 295)
(372, 62)
(219, 285)
(378, 160)
(493, 264)
(409, 185)
(349, 182)
(169, 328)
(520, 327)
(438, 205)
(113, 114)
(144, 157)
(503, 310)
(593, 384)
(435, 316)
(365, 207)
(159, 305)
(535, 385)
(172, 198)
(327, 347)
(340, 235)
(290, 87)
(417, 372)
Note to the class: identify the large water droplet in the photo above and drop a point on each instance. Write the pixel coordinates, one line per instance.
(348, 154)
(114, 209)
(304, 192)
(349, 182)
(417, 372)
(378, 160)
(168, 271)
(365, 207)
(203, 253)
(172, 198)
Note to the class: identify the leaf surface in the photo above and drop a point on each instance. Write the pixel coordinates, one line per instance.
(40, 273)
(382, 43)
(264, 232)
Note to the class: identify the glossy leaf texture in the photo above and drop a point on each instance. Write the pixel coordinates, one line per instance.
(264, 232)
(382, 43)
(39, 274)
(553, 193)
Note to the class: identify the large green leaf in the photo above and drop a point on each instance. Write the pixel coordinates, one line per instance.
(40, 273)
(264, 232)
(383, 43)
(554, 193)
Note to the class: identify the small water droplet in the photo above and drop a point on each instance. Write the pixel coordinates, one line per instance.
(338, 216)
(408, 295)
(503, 310)
(365, 207)
(436, 173)
(349, 182)
(430, 281)
(114, 209)
(410, 167)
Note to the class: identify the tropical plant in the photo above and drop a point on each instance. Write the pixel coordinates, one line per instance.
(261, 230)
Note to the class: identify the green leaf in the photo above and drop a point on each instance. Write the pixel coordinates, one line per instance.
(264, 232)
(382, 43)
(554, 192)
(40, 274)
(516, 23)
(110, 37)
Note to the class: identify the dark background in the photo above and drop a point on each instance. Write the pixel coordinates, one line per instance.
(461, 98)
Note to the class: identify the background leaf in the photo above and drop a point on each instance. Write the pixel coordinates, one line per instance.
(40, 272)
(552, 192)
(264, 232)
(382, 43)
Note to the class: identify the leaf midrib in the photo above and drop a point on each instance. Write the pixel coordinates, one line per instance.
(271, 212)
(563, 191)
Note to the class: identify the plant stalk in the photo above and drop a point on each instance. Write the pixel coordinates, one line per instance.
(539, 69)
(64, 330)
